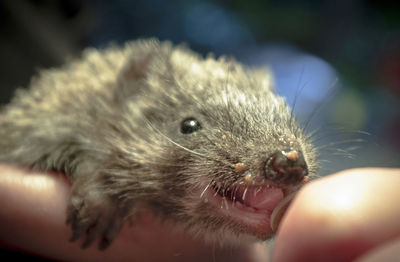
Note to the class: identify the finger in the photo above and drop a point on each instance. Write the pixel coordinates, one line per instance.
(388, 252)
(33, 206)
(340, 217)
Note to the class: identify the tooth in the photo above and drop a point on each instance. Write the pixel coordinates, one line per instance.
(244, 193)
(216, 192)
(235, 193)
(226, 204)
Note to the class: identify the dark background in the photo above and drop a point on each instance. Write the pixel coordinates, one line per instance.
(340, 60)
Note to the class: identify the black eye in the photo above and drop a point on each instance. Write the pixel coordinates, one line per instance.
(190, 125)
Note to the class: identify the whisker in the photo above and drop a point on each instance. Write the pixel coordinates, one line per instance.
(337, 132)
(175, 143)
(234, 194)
(319, 105)
(216, 191)
(205, 189)
(325, 161)
(297, 91)
(342, 142)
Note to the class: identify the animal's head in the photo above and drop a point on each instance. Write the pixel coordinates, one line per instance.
(223, 147)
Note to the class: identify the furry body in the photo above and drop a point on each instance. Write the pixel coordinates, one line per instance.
(112, 121)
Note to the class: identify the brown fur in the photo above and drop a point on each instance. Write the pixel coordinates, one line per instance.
(111, 121)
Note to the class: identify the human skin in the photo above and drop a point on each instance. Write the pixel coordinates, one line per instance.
(32, 219)
(337, 218)
(351, 215)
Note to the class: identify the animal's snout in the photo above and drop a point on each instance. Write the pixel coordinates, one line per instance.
(286, 166)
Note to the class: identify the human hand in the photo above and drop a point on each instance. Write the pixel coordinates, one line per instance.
(350, 216)
(336, 218)
(32, 219)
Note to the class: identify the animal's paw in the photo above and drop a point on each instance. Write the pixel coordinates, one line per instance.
(94, 216)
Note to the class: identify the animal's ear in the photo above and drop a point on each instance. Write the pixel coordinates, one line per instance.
(138, 66)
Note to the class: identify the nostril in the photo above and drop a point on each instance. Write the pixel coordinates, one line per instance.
(286, 166)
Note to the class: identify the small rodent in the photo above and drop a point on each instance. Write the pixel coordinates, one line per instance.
(201, 142)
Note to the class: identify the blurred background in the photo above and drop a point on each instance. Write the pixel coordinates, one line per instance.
(336, 62)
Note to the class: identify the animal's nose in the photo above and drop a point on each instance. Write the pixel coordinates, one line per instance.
(286, 166)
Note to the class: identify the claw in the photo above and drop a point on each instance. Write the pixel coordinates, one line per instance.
(93, 219)
(104, 243)
(92, 233)
(112, 231)
(75, 236)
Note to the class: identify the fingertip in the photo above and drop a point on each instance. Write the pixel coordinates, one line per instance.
(339, 217)
(389, 252)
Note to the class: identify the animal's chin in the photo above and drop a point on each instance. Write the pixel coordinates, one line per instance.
(251, 206)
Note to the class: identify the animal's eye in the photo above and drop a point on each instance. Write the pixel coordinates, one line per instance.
(190, 125)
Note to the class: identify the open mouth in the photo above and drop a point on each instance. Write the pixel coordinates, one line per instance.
(250, 205)
(258, 203)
